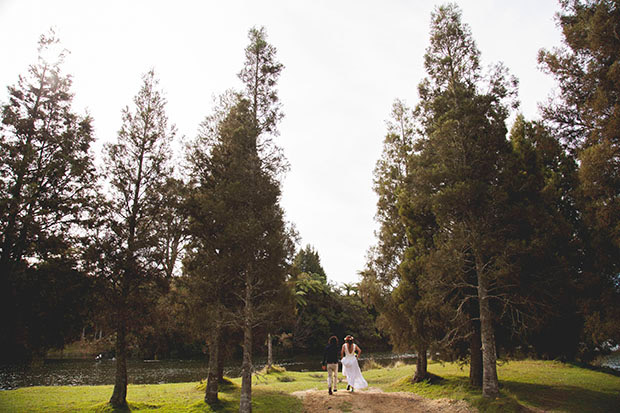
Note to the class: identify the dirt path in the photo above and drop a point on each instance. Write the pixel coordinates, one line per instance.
(373, 400)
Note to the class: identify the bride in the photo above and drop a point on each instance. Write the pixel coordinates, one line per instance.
(350, 367)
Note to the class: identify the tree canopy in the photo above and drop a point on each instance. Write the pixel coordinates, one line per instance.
(497, 235)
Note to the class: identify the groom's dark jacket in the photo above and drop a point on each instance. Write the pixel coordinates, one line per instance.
(331, 354)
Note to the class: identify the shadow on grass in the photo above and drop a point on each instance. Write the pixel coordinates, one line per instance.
(131, 406)
(568, 399)
(514, 394)
(220, 406)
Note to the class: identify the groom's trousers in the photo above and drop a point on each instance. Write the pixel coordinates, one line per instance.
(332, 376)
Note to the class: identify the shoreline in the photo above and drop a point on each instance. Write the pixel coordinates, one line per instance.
(525, 384)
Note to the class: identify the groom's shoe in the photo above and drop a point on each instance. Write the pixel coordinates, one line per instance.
(335, 390)
(330, 391)
(348, 387)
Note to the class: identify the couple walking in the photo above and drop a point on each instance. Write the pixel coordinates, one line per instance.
(350, 368)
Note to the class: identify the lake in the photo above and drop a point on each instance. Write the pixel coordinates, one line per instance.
(611, 361)
(89, 372)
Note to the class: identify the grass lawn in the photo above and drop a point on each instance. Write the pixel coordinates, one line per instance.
(549, 386)
(546, 385)
(173, 397)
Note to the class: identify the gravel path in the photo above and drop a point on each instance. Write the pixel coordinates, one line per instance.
(373, 400)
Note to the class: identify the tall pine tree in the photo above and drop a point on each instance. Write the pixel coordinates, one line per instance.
(462, 150)
(266, 276)
(47, 185)
(240, 247)
(130, 256)
(585, 116)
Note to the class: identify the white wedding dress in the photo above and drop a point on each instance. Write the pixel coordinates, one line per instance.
(351, 369)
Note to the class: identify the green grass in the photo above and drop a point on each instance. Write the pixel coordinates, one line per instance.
(159, 398)
(544, 385)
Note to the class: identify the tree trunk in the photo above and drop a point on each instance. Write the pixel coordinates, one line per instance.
(421, 371)
(490, 383)
(220, 361)
(214, 361)
(245, 404)
(119, 395)
(475, 350)
(269, 352)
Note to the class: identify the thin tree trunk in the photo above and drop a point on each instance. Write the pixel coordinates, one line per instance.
(220, 362)
(421, 371)
(119, 395)
(269, 352)
(475, 349)
(214, 361)
(490, 383)
(245, 404)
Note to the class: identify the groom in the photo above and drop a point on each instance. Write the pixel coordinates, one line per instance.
(330, 362)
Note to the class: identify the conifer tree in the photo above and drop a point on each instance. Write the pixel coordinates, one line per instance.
(387, 281)
(585, 117)
(266, 278)
(308, 261)
(462, 149)
(239, 247)
(217, 160)
(47, 186)
(129, 253)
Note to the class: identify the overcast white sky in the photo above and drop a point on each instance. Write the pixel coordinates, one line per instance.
(345, 63)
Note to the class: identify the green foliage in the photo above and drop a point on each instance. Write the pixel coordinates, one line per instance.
(585, 116)
(127, 256)
(239, 247)
(168, 329)
(137, 166)
(272, 369)
(260, 75)
(384, 267)
(452, 202)
(389, 177)
(236, 226)
(46, 291)
(539, 180)
(286, 379)
(323, 311)
(307, 260)
(47, 193)
(371, 364)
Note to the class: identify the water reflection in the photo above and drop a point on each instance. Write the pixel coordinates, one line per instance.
(612, 361)
(89, 372)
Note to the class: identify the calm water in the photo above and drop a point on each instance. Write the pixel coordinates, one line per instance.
(89, 372)
(612, 361)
